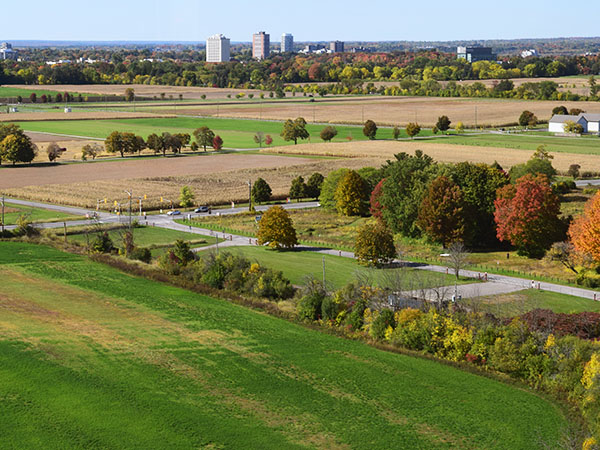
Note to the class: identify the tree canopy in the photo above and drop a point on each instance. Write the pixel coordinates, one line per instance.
(294, 130)
(276, 229)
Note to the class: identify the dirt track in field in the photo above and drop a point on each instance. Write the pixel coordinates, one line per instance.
(440, 152)
(20, 176)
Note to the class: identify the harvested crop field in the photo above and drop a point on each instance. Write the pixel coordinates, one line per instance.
(142, 90)
(395, 110)
(507, 157)
(79, 115)
(134, 168)
(214, 179)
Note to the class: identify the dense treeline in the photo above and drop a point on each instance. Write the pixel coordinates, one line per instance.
(185, 69)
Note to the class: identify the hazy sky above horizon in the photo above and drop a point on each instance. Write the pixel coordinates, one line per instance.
(309, 20)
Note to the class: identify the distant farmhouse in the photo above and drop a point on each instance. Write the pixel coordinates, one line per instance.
(7, 52)
(474, 54)
(589, 122)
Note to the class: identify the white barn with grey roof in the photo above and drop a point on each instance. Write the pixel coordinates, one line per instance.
(589, 122)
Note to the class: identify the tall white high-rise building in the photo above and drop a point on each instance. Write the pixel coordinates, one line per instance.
(287, 43)
(217, 49)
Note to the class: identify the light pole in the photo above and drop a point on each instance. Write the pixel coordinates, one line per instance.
(249, 195)
(2, 213)
(129, 194)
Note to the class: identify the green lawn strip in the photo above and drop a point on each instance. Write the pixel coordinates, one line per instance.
(297, 265)
(236, 133)
(38, 215)
(527, 142)
(508, 305)
(151, 236)
(25, 93)
(261, 382)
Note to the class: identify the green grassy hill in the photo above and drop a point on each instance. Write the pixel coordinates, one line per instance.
(92, 357)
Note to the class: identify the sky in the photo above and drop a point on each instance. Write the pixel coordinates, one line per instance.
(307, 20)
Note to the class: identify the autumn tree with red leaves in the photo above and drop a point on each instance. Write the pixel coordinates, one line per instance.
(527, 215)
(376, 208)
(217, 142)
(441, 215)
(585, 230)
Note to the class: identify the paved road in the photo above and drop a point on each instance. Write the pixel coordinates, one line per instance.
(496, 284)
(584, 183)
(161, 220)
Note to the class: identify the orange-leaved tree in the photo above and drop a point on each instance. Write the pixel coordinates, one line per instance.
(585, 230)
(527, 215)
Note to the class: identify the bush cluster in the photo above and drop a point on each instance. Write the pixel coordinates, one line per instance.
(552, 352)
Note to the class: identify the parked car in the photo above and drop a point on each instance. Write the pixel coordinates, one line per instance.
(173, 213)
(201, 209)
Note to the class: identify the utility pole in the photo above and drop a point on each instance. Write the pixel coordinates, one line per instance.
(249, 195)
(2, 213)
(129, 194)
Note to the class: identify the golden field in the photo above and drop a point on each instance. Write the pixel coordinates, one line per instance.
(390, 110)
(214, 179)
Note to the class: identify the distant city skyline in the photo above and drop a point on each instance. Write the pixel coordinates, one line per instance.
(194, 21)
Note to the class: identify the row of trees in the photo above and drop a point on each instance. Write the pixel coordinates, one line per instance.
(125, 67)
(129, 143)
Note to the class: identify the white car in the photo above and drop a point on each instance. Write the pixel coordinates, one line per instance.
(174, 213)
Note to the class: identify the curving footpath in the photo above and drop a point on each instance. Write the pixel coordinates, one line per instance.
(495, 284)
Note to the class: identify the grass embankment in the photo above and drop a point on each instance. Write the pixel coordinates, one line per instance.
(157, 239)
(509, 305)
(12, 212)
(236, 133)
(91, 356)
(297, 265)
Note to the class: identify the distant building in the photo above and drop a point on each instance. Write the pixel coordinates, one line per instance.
(336, 47)
(473, 54)
(287, 43)
(589, 122)
(7, 52)
(217, 49)
(528, 53)
(312, 48)
(260, 45)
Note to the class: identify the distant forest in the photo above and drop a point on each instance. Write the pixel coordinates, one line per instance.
(418, 72)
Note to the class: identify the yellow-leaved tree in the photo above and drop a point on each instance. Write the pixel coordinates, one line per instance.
(351, 195)
(276, 229)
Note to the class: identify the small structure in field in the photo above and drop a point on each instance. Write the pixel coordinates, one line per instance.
(589, 122)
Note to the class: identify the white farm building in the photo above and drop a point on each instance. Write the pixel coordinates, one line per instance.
(589, 122)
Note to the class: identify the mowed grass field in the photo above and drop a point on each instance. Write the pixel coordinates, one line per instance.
(158, 239)
(298, 265)
(554, 144)
(92, 357)
(509, 305)
(236, 133)
(12, 212)
(13, 91)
